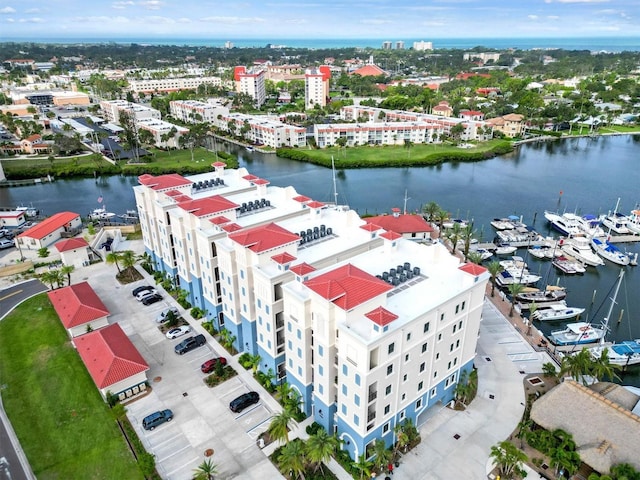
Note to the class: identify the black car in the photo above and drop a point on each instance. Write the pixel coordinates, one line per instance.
(142, 288)
(157, 418)
(189, 344)
(149, 299)
(243, 401)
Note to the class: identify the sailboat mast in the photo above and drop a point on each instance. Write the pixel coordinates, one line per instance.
(605, 324)
(335, 188)
(405, 202)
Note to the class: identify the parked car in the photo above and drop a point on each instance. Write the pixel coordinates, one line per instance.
(243, 401)
(163, 315)
(146, 293)
(140, 289)
(210, 365)
(189, 344)
(3, 232)
(149, 299)
(178, 331)
(157, 418)
(4, 243)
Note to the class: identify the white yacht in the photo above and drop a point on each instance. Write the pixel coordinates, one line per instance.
(579, 247)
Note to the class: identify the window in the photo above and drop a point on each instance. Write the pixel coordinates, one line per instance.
(437, 355)
(320, 370)
(344, 389)
(457, 308)
(408, 336)
(404, 377)
(460, 325)
(320, 350)
(299, 353)
(299, 371)
(299, 333)
(387, 390)
(454, 328)
(345, 370)
(424, 347)
(356, 400)
(290, 363)
(433, 392)
(406, 357)
(268, 327)
(422, 365)
(392, 347)
(439, 336)
(357, 379)
(442, 317)
(457, 343)
(462, 306)
(320, 389)
(426, 327)
(389, 369)
(344, 409)
(386, 409)
(385, 428)
(356, 420)
(402, 414)
(451, 347)
(435, 374)
(418, 403)
(241, 273)
(449, 366)
(420, 385)
(259, 301)
(289, 345)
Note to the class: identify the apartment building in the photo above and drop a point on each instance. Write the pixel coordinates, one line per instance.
(195, 111)
(317, 82)
(166, 85)
(111, 110)
(422, 46)
(369, 328)
(251, 82)
(165, 134)
(262, 130)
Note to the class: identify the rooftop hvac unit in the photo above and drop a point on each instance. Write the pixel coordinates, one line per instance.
(403, 278)
(407, 266)
(409, 274)
(395, 281)
(385, 275)
(392, 272)
(329, 231)
(416, 271)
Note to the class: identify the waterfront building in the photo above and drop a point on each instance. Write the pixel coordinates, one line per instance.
(386, 45)
(112, 108)
(165, 134)
(511, 125)
(484, 57)
(422, 46)
(399, 45)
(251, 82)
(316, 86)
(166, 85)
(195, 111)
(49, 231)
(263, 130)
(369, 328)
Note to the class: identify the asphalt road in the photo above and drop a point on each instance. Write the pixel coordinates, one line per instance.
(15, 294)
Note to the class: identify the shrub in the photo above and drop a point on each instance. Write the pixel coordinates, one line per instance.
(244, 360)
(197, 312)
(313, 428)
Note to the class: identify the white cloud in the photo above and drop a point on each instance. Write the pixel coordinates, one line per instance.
(151, 4)
(33, 10)
(121, 5)
(158, 19)
(101, 19)
(553, 17)
(233, 20)
(375, 21)
(6, 10)
(31, 20)
(183, 20)
(11, 20)
(532, 17)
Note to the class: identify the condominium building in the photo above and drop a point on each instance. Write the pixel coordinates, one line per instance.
(194, 111)
(251, 82)
(399, 45)
(386, 45)
(165, 134)
(316, 86)
(112, 108)
(172, 84)
(371, 329)
(422, 45)
(262, 130)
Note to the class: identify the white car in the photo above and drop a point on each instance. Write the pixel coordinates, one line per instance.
(162, 316)
(145, 293)
(178, 331)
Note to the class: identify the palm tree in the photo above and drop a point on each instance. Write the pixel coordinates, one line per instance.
(549, 370)
(205, 471)
(603, 368)
(280, 425)
(402, 439)
(430, 210)
(320, 448)
(454, 235)
(254, 362)
(494, 269)
(474, 257)
(114, 257)
(49, 278)
(514, 290)
(382, 455)
(292, 458)
(227, 338)
(508, 459)
(440, 217)
(467, 235)
(578, 366)
(66, 270)
(128, 259)
(363, 466)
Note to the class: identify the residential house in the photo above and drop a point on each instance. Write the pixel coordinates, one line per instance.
(75, 252)
(410, 226)
(79, 308)
(511, 125)
(49, 230)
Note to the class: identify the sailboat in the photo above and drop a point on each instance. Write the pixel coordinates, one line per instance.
(616, 221)
(581, 333)
(622, 353)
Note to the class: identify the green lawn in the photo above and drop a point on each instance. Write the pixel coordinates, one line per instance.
(396, 156)
(65, 428)
(161, 161)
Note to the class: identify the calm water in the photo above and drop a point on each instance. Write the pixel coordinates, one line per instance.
(584, 175)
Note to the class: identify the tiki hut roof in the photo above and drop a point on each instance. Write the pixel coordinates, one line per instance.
(599, 418)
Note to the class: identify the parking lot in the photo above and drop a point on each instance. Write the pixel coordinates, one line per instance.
(202, 418)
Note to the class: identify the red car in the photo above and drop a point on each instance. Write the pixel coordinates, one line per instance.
(210, 365)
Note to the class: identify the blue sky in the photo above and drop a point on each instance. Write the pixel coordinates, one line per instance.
(281, 19)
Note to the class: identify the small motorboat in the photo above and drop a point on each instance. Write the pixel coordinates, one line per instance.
(556, 312)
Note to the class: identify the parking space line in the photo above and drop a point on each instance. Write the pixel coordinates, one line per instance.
(188, 447)
(248, 411)
(181, 467)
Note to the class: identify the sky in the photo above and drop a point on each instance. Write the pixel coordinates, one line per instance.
(281, 19)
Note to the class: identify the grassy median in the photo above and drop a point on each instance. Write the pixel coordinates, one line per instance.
(65, 428)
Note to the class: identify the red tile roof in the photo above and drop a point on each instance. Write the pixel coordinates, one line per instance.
(207, 206)
(163, 182)
(369, 71)
(302, 269)
(261, 181)
(283, 258)
(49, 225)
(109, 356)
(221, 220)
(301, 199)
(231, 227)
(402, 223)
(381, 316)
(77, 304)
(391, 235)
(71, 244)
(370, 227)
(218, 164)
(348, 286)
(250, 177)
(473, 269)
(315, 204)
(265, 237)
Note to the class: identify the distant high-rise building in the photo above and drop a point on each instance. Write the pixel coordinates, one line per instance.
(316, 86)
(422, 45)
(399, 45)
(386, 45)
(251, 82)
(228, 44)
